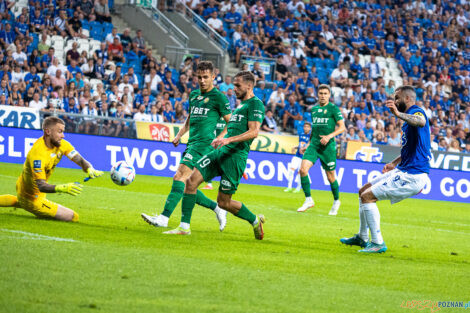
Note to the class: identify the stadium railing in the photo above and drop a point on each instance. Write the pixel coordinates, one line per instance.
(95, 125)
(169, 26)
(190, 14)
(176, 55)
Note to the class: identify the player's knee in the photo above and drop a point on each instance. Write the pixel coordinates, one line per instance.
(367, 197)
(223, 202)
(303, 171)
(191, 184)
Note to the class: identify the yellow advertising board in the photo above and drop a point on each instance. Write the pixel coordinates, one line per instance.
(363, 151)
(264, 142)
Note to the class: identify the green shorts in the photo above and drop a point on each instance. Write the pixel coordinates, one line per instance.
(193, 153)
(228, 166)
(326, 154)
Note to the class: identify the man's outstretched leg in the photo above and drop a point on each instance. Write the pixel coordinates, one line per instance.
(241, 211)
(188, 203)
(8, 201)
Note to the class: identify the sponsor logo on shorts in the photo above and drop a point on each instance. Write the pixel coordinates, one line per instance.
(225, 188)
(397, 178)
(37, 164)
(225, 183)
(331, 164)
(188, 156)
(159, 132)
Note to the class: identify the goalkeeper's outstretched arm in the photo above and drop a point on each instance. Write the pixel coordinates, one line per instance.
(86, 166)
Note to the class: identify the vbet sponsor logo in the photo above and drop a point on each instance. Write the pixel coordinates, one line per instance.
(263, 168)
(434, 306)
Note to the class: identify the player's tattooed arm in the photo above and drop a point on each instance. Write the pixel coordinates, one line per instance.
(416, 119)
(80, 161)
(43, 186)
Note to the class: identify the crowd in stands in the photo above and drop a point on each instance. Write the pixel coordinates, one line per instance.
(363, 50)
(358, 47)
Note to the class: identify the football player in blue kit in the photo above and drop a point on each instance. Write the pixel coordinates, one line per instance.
(294, 164)
(402, 178)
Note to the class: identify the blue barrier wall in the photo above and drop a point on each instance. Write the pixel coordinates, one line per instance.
(263, 168)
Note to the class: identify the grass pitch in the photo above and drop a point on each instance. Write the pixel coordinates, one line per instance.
(111, 261)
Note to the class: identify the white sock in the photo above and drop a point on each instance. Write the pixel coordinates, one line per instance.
(373, 220)
(363, 228)
(217, 210)
(185, 226)
(290, 178)
(255, 222)
(297, 181)
(308, 199)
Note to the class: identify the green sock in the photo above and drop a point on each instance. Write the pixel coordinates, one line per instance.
(201, 199)
(246, 214)
(305, 182)
(187, 206)
(173, 198)
(335, 190)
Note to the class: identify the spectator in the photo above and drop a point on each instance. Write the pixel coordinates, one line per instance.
(269, 123)
(141, 115)
(216, 23)
(102, 11)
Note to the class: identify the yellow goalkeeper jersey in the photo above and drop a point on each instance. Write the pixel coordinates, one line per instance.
(40, 163)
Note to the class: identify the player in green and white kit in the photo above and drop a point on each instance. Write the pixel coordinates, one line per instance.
(218, 130)
(325, 117)
(229, 159)
(207, 106)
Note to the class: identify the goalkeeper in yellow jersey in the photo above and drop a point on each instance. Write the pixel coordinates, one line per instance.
(32, 186)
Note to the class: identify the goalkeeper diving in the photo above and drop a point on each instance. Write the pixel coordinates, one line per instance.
(32, 185)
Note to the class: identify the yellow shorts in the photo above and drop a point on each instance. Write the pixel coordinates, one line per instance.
(40, 206)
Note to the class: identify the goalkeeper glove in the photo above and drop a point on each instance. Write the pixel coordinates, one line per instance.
(70, 188)
(92, 173)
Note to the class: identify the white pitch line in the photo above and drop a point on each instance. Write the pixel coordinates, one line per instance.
(34, 236)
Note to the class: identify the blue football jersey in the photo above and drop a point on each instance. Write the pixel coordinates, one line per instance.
(415, 145)
(303, 141)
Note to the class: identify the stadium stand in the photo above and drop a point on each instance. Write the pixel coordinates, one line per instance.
(70, 57)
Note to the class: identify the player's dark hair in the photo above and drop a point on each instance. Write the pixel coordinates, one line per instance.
(205, 66)
(51, 121)
(324, 86)
(407, 90)
(246, 76)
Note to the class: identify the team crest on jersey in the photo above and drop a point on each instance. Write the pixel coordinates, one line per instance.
(206, 100)
(200, 97)
(37, 164)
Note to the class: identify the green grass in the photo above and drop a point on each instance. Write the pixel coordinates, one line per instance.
(118, 263)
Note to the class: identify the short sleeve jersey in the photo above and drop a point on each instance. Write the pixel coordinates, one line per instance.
(205, 111)
(324, 119)
(251, 110)
(41, 162)
(415, 145)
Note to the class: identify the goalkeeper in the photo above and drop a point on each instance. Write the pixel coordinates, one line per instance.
(32, 185)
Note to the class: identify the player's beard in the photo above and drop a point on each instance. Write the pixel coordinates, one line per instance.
(55, 143)
(241, 95)
(401, 106)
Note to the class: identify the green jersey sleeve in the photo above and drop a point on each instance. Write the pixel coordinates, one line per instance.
(256, 112)
(337, 115)
(223, 105)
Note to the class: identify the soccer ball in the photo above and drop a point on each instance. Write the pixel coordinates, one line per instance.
(122, 174)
